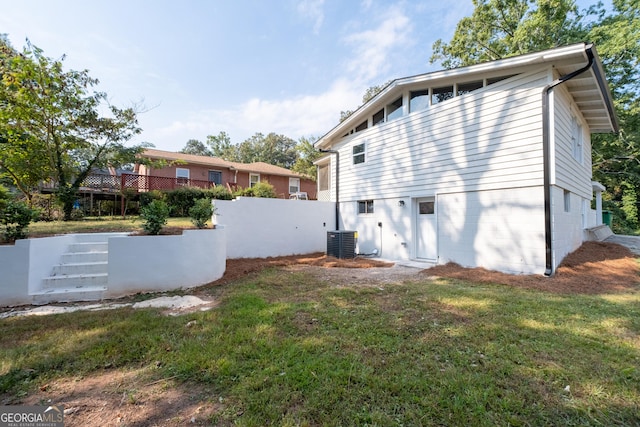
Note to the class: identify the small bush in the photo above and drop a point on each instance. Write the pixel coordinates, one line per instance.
(181, 200)
(155, 216)
(201, 212)
(149, 196)
(15, 217)
(219, 193)
(261, 189)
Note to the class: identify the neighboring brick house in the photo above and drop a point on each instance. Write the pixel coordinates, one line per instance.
(201, 170)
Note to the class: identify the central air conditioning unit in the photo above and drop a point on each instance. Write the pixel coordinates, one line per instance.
(341, 244)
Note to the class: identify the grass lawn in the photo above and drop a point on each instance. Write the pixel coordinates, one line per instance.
(287, 348)
(96, 225)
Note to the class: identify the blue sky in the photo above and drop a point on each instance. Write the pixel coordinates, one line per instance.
(240, 66)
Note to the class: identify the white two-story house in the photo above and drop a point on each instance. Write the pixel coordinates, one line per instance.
(486, 166)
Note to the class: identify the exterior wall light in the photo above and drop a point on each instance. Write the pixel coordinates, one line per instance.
(401, 203)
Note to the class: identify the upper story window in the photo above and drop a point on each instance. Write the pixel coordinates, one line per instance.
(468, 87)
(254, 178)
(576, 139)
(394, 110)
(362, 126)
(440, 94)
(358, 154)
(378, 117)
(418, 100)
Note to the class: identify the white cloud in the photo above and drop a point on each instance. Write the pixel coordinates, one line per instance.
(372, 48)
(313, 9)
(307, 115)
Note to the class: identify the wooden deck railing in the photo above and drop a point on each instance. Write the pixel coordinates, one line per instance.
(105, 183)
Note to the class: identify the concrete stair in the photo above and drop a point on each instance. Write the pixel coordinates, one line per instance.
(82, 274)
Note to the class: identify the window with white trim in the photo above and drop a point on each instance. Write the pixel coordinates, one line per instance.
(254, 178)
(294, 185)
(576, 139)
(182, 175)
(365, 207)
(567, 201)
(358, 154)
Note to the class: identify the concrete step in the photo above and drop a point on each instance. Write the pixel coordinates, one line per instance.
(85, 257)
(88, 247)
(68, 294)
(97, 237)
(74, 280)
(80, 268)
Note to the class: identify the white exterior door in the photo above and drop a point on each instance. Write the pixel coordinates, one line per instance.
(426, 229)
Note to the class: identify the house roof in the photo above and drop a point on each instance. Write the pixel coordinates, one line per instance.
(255, 167)
(589, 90)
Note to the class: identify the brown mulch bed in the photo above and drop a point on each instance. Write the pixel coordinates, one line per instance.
(237, 268)
(594, 268)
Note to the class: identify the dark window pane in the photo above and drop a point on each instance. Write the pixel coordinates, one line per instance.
(426, 208)
(441, 94)
(378, 117)
(362, 126)
(468, 87)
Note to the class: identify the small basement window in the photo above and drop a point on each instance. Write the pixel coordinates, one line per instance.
(567, 201)
(365, 207)
(358, 154)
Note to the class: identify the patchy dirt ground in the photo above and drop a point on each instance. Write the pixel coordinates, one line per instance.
(124, 398)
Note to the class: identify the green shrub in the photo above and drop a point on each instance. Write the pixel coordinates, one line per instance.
(155, 216)
(181, 199)
(15, 217)
(149, 196)
(219, 193)
(201, 212)
(261, 189)
(264, 189)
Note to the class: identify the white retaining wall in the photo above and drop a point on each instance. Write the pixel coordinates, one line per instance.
(260, 227)
(136, 263)
(163, 263)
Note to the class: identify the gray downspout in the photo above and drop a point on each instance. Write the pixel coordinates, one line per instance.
(546, 154)
(337, 184)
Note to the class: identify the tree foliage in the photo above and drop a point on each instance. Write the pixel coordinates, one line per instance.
(502, 28)
(54, 124)
(198, 148)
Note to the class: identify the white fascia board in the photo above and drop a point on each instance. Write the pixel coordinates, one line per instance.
(577, 50)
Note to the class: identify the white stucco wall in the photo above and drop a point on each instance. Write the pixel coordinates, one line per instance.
(14, 273)
(498, 229)
(260, 227)
(161, 263)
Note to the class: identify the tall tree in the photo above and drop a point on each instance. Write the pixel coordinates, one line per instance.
(220, 146)
(307, 154)
(502, 28)
(274, 149)
(193, 146)
(53, 124)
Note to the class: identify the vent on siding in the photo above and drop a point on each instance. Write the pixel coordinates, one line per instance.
(341, 244)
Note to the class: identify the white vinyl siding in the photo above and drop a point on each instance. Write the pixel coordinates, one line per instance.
(571, 174)
(488, 139)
